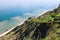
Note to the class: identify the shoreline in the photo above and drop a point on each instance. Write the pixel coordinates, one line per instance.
(11, 29)
(23, 22)
(43, 12)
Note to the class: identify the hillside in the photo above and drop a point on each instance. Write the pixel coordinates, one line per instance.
(45, 27)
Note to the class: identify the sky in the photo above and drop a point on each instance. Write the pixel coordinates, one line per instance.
(28, 4)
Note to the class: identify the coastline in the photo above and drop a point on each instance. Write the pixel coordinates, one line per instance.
(43, 12)
(11, 29)
(23, 22)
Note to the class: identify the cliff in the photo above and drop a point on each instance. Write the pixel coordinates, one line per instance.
(45, 27)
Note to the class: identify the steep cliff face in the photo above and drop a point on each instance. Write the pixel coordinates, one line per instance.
(45, 27)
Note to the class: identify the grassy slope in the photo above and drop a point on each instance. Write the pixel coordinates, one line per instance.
(53, 32)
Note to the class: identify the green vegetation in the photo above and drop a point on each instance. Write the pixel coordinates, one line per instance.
(58, 15)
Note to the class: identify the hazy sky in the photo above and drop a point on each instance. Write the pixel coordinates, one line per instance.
(4, 4)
